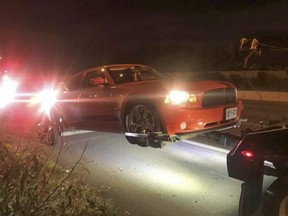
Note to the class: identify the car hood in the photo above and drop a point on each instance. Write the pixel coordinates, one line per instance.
(190, 86)
(199, 86)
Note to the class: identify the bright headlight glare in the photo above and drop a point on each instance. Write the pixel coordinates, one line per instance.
(7, 90)
(177, 97)
(47, 99)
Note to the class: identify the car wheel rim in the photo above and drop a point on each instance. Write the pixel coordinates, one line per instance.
(141, 120)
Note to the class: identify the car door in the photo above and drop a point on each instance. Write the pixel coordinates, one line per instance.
(69, 99)
(96, 103)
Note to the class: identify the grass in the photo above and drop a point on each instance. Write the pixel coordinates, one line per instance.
(33, 183)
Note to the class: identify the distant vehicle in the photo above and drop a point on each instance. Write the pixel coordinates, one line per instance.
(146, 105)
(262, 153)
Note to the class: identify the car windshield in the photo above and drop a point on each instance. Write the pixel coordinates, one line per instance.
(125, 74)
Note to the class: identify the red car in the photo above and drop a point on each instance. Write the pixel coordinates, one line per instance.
(146, 105)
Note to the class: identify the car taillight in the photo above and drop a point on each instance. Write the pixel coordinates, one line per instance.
(247, 154)
(47, 99)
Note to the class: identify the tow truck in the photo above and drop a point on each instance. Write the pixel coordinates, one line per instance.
(259, 153)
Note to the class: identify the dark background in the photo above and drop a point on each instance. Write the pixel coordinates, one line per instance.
(52, 37)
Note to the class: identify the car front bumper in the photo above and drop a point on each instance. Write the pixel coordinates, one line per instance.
(183, 121)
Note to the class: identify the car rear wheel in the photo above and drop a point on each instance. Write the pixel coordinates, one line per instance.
(49, 134)
(142, 121)
(49, 130)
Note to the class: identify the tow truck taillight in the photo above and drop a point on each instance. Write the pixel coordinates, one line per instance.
(247, 154)
(45, 99)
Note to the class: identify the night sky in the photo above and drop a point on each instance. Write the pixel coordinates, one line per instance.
(47, 36)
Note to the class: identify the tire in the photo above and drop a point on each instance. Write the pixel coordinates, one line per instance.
(50, 131)
(54, 136)
(275, 201)
(49, 134)
(143, 119)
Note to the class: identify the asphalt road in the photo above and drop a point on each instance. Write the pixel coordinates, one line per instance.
(184, 178)
(180, 179)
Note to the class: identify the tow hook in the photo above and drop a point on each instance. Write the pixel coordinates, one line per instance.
(150, 137)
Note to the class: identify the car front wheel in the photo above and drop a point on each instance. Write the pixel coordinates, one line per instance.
(142, 121)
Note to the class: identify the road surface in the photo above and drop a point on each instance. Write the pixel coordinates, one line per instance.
(184, 178)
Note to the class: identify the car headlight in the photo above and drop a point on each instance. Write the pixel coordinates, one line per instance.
(177, 97)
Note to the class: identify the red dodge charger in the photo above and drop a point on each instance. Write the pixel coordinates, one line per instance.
(150, 107)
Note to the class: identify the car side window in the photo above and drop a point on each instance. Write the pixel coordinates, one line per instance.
(75, 83)
(146, 75)
(122, 75)
(92, 77)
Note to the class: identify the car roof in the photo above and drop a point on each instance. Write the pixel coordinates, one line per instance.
(115, 65)
(107, 66)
